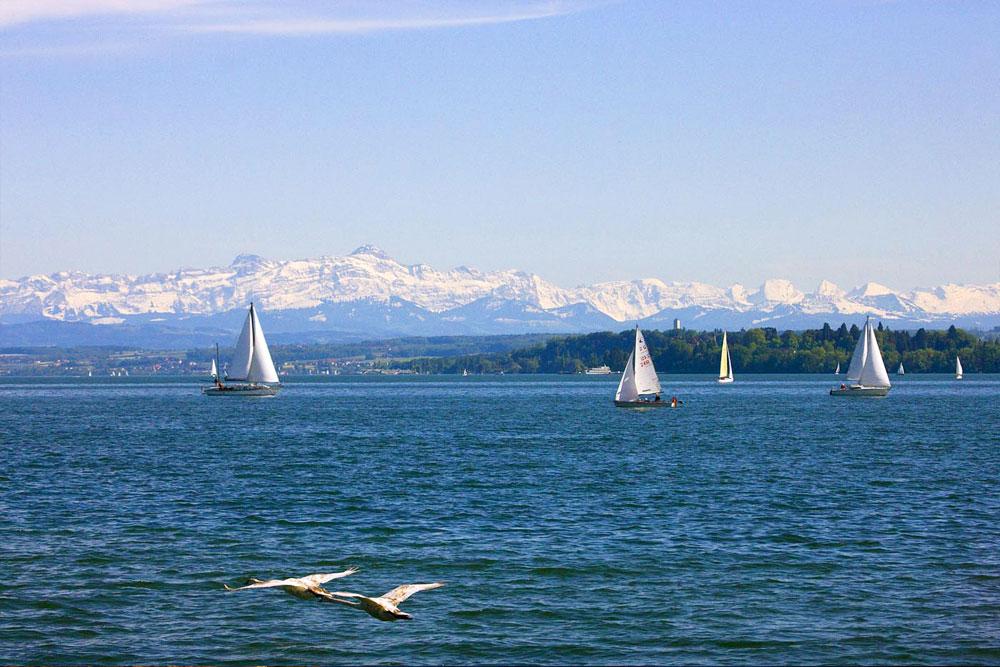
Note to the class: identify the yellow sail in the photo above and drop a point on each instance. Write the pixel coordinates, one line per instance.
(725, 362)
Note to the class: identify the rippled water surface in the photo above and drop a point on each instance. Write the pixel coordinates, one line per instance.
(762, 522)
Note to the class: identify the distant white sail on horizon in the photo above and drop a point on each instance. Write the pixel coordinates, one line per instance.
(958, 368)
(900, 370)
(725, 362)
(837, 370)
(252, 359)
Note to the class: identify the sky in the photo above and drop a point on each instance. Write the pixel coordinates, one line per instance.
(590, 140)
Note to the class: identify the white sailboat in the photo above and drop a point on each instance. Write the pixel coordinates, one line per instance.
(252, 371)
(866, 376)
(958, 368)
(725, 363)
(837, 370)
(900, 370)
(214, 373)
(639, 386)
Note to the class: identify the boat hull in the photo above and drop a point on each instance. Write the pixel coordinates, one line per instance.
(643, 404)
(725, 380)
(248, 390)
(861, 391)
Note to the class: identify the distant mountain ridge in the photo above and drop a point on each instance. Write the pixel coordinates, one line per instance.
(369, 293)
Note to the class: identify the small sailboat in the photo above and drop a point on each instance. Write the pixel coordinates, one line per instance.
(900, 370)
(214, 372)
(253, 372)
(958, 368)
(866, 376)
(639, 379)
(725, 363)
(837, 370)
(465, 372)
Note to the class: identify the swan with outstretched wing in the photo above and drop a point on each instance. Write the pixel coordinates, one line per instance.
(385, 607)
(307, 588)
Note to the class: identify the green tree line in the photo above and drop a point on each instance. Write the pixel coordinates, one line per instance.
(763, 350)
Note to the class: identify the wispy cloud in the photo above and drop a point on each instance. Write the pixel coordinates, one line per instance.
(319, 25)
(284, 17)
(17, 12)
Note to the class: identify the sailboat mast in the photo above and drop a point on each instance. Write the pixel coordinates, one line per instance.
(253, 336)
(635, 347)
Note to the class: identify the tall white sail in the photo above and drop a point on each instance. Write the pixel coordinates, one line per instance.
(626, 386)
(873, 373)
(859, 356)
(837, 370)
(646, 381)
(240, 365)
(215, 371)
(725, 362)
(261, 366)
(958, 368)
(901, 370)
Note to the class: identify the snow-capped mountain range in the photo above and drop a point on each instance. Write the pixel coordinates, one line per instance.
(368, 293)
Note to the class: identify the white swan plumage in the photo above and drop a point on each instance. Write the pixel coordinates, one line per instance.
(308, 587)
(386, 606)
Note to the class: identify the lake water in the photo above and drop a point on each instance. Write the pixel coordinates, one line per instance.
(761, 522)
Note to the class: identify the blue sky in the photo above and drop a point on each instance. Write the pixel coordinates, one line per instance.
(585, 141)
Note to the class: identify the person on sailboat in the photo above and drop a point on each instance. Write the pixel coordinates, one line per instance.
(657, 399)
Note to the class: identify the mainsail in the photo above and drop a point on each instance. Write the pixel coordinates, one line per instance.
(900, 370)
(725, 362)
(958, 368)
(252, 359)
(646, 381)
(215, 371)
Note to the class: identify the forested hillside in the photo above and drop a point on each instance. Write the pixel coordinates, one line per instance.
(762, 350)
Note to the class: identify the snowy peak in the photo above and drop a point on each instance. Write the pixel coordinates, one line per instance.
(371, 250)
(870, 290)
(829, 290)
(778, 291)
(247, 262)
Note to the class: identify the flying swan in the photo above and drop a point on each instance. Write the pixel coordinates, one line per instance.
(384, 607)
(307, 587)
